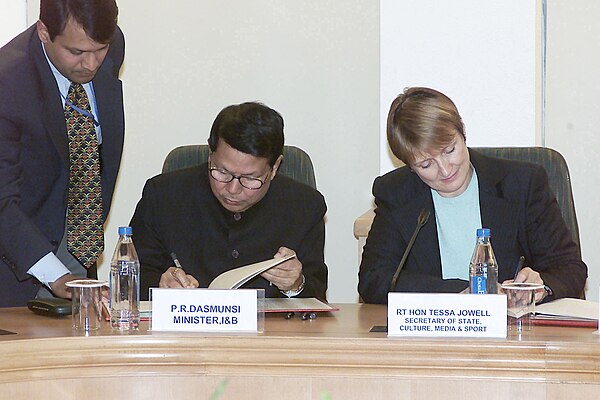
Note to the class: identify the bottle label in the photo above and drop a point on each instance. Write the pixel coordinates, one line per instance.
(478, 285)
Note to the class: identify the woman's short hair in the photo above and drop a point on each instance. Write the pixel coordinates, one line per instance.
(421, 119)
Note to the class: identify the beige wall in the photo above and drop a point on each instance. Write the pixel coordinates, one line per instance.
(573, 112)
(484, 64)
(318, 64)
(315, 62)
(12, 20)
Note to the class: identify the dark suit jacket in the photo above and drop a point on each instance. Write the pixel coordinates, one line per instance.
(34, 156)
(516, 203)
(179, 213)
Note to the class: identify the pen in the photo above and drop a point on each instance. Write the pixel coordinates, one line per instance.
(519, 266)
(177, 266)
(176, 261)
(304, 316)
(309, 315)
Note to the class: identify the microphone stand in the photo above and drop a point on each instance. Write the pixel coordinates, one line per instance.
(421, 220)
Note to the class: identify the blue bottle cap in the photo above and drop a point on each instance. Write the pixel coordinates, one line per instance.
(125, 230)
(484, 232)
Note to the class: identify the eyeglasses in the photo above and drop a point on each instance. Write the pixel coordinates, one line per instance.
(249, 182)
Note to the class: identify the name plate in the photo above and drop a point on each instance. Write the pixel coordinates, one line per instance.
(205, 310)
(446, 315)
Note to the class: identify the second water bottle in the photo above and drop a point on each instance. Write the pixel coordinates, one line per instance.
(483, 269)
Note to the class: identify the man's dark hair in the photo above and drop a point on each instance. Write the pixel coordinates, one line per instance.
(251, 128)
(98, 18)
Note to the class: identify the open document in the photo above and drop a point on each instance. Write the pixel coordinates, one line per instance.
(567, 312)
(235, 278)
(296, 304)
(270, 305)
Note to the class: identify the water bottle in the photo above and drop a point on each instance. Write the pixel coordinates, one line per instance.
(125, 284)
(483, 269)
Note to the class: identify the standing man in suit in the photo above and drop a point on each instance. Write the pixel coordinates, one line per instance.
(61, 138)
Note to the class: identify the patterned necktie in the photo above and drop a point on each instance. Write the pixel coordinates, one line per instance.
(85, 235)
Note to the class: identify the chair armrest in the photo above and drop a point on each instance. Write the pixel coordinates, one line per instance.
(362, 224)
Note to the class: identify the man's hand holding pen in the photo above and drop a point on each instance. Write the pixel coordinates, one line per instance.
(175, 277)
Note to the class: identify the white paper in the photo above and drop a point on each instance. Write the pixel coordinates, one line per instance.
(568, 308)
(235, 278)
(296, 304)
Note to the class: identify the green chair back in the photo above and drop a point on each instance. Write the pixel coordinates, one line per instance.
(296, 163)
(558, 176)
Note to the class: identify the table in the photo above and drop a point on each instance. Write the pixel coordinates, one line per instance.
(293, 359)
